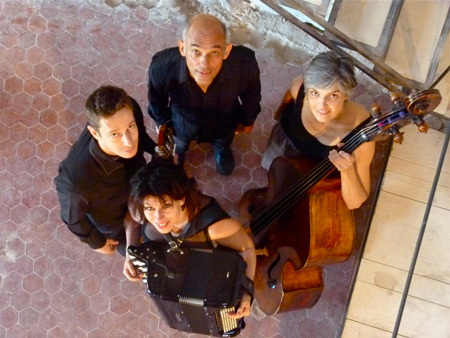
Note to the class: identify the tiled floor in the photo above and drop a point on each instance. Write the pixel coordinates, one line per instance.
(52, 55)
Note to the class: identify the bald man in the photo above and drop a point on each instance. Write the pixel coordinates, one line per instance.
(207, 88)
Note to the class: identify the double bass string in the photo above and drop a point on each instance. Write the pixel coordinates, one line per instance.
(288, 199)
(370, 129)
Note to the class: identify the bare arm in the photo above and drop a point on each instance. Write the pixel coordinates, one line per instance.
(355, 173)
(132, 233)
(231, 234)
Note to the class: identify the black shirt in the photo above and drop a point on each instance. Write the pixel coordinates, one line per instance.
(93, 187)
(233, 97)
(210, 212)
(292, 124)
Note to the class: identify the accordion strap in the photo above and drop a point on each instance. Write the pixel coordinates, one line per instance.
(174, 243)
(248, 286)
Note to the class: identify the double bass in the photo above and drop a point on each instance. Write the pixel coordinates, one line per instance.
(300, 219)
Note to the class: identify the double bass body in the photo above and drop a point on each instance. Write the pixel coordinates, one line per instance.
(315, 230)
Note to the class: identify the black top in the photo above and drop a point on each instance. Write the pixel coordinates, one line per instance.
(93, 187)
(210, 213)
(292, 124)
(232, 98)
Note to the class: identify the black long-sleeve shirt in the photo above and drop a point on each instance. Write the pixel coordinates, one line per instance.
(93, 187)
(232, 98)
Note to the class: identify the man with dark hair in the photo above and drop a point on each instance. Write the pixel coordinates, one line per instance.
(209, 89)
(94, 180)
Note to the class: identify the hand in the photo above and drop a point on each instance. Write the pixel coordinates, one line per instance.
(130, 271)
(244, 308)
(241, 129)
(109, 247)
(341, 160)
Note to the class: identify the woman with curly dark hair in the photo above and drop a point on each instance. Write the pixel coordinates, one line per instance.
(166, 201)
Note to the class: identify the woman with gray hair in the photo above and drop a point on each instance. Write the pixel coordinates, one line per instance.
(314, 117)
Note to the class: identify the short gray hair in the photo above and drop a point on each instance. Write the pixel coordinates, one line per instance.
(328, 68)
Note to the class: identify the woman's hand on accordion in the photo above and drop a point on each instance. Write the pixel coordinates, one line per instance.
(244, 308)
(130, 271)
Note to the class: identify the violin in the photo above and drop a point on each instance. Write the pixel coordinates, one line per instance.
(301, 220)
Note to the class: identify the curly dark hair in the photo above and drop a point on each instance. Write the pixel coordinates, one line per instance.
(161, 178)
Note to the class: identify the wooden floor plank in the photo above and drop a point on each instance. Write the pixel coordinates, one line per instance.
(374, 306)
(391, 242)
(418, 171)
(434, 257)
(424, 319)
(421, 148)
(394, 230)
(394, 279)
(354, 329)
(415, 189)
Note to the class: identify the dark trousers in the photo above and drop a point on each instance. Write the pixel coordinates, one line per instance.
(219, 144)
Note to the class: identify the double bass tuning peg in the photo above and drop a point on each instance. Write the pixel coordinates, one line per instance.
(397, 135)
(422, 126)
(376, 110)
(398, 138)
(395, 96)
(397, 99)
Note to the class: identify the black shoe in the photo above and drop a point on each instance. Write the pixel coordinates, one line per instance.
(224, 162)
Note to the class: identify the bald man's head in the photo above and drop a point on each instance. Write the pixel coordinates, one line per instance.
(205, 47)
(206, 22)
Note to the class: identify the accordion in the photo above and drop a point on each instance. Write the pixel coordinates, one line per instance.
(194, 288)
